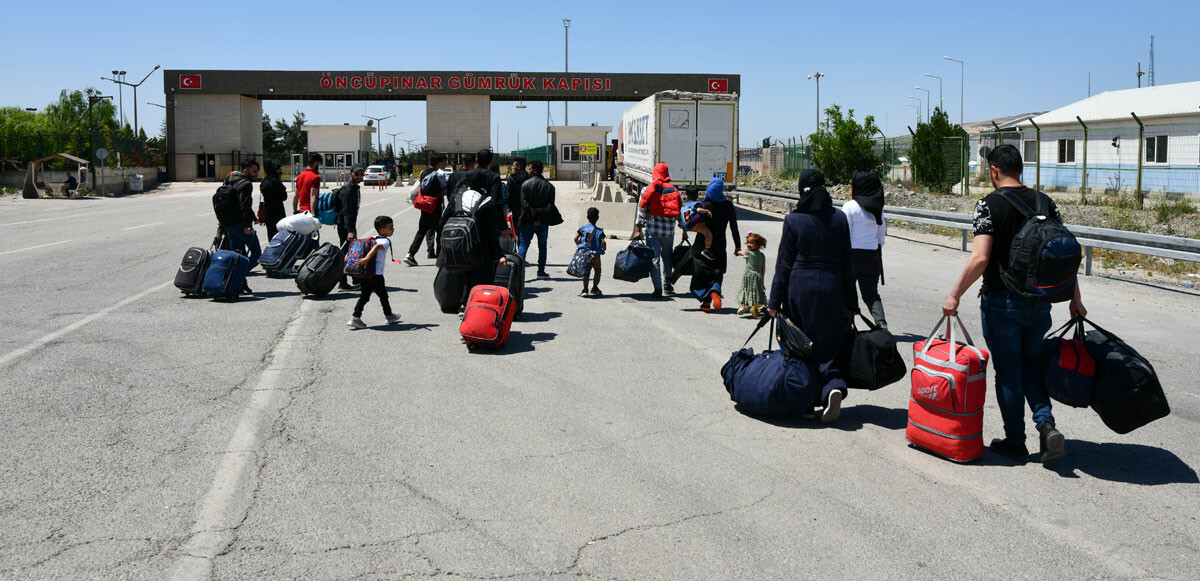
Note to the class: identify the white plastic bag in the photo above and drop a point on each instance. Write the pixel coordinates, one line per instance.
(303, 224)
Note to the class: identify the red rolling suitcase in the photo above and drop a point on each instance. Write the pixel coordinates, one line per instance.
(488, 317)
(949, 386)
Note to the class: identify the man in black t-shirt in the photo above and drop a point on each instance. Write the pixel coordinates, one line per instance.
(1012, 326)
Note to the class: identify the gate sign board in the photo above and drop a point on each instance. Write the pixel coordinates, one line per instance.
(416, 85)
(588, 149)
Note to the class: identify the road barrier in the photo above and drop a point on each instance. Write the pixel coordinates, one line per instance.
(1119, 240)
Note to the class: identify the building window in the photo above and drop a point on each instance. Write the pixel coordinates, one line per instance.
(1156, 149)
(1066, 151)
(570, 152)
(1031, 148)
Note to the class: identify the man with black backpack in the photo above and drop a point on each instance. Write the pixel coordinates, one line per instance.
(471, 226)
(233, 204)
(1028, 260)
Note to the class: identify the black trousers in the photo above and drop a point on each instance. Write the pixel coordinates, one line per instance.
(379, 287)
(343, 236)
(427, 230)
(868, 267)
(484, 275)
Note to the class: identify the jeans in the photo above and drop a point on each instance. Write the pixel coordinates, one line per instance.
(239, 241)
(526, 236)
(868, 267)
(1013, 328)
(374, 285)
(660, 264)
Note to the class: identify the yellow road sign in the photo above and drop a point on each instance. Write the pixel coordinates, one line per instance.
(589, 149)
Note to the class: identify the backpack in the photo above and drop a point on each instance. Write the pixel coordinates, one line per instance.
(1043, 261)
(461, 247)
(358, 250)
(226, 206)
(326, 207)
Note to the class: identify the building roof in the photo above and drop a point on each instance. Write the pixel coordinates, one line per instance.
(1148, 102)
(976, 127)
(337, 128)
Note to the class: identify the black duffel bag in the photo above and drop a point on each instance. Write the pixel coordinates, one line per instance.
(1127, 394)
(870, 359)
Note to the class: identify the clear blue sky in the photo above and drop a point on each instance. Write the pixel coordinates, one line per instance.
(1020, 56)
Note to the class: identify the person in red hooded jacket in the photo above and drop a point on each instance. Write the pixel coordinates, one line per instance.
(657, 217)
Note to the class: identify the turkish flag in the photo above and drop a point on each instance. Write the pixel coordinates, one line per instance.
(714, 85)
(189, 81)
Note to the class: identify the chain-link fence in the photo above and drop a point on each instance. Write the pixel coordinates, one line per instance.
(17, 151)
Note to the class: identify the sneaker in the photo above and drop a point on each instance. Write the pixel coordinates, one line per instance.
(349, 287)
(356, 323)
(409, 260)
(583, 293)
(1053, 443)
(431, 256)
(668, 289)
(716, 300)
(657, 294)
(833, 407)
(543, 274)
(705, 307)
(596, 291)
(1015, 452)
(393, 318)
(707, 254)
(246, 290)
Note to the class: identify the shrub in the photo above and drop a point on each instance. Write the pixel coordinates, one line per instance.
(845, 147)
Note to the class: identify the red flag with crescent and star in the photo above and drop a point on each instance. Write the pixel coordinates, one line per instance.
(714, 85)
(189, 81)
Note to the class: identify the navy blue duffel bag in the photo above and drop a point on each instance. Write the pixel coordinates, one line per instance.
(769, 383)
(633, 263)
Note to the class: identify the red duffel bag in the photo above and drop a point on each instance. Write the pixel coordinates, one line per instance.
(949, 386)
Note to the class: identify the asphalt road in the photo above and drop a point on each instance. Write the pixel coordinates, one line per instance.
(152, 436)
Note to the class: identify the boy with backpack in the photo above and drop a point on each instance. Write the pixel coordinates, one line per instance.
(1022, 275)
(591, 237)
(372, 264)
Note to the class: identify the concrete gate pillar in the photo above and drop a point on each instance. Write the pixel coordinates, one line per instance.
(216, 124)
(458, 123)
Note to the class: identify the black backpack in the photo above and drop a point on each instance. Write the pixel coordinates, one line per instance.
(1043, 261)
(225, 204)
(461, 246)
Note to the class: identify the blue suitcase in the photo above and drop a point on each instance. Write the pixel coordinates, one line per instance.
(226, 274)
(279, 257)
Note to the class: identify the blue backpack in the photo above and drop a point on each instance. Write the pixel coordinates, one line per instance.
(326, 208)
(1043, 261)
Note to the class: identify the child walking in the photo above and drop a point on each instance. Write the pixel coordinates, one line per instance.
(591, 237)
(753, 294)
(376, 257)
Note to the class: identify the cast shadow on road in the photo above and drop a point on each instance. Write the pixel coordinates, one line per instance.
(396, 289)
(1128, 463)
(528, 317)
(518, 342)
(909, 338)
(271, 294)
(403, 327)
(853, 418)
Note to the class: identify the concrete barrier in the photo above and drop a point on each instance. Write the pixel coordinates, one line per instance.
(616, 218)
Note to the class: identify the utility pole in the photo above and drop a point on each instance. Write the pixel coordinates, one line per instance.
(818, 76)
(121, 83)
(962, 91)
(566, 61)
(379, 129)
(941, 103)
(928, 98)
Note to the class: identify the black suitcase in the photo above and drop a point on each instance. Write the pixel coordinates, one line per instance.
(1127, 393)
(682, 263)
(508, 245)
(321, 271)
(870, 359)
(512, 277)
(190, 276)
(448, 290)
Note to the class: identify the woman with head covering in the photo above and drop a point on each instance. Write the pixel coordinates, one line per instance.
(864, 212)
(814, 284)
(709, 256)
(274, 194)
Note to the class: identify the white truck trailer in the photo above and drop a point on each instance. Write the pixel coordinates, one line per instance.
(695, 134)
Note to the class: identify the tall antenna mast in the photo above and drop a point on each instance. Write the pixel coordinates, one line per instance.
(1151, 60)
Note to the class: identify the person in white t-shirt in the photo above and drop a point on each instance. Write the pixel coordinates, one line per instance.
(867, 230)
(379, 254)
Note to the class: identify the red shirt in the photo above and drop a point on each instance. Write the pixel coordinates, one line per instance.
(306, 183)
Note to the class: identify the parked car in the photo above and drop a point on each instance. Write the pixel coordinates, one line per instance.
(375, 174)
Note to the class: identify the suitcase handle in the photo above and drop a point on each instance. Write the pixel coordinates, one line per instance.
(949, 334)
(1077, 322)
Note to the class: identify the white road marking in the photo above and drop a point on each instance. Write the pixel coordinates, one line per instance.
(233, 487)
(90, 214)
(34, 247)
(142, 226)
(21, 352)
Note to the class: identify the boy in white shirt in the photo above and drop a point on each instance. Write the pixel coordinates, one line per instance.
(378, 253)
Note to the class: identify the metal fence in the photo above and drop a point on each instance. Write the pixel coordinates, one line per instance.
(18, 150)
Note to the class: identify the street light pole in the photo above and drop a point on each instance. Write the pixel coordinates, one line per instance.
(818, 76)
(920, 106)
(394, 141)
(928, 98)
(566, 61)
(121, 83)
(379, 128)
(941, 104)
(961, 86)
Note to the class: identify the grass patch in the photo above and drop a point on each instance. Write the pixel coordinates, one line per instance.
(1118, 219)
(916, 227)
(1172, 209)
(1140, 263)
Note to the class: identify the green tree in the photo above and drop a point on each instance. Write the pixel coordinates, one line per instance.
(845, 147)
(270, 135)
(931, 150)
(388, 152)
(289, 135)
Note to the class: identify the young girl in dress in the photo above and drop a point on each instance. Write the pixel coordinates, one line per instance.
(753, 294)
